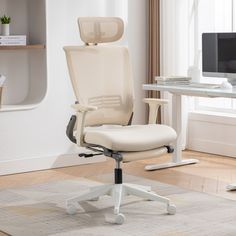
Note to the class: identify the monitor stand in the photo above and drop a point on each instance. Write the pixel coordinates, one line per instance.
(231, 81)
(226, 85)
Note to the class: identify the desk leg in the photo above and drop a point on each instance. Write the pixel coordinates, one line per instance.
(177, 125)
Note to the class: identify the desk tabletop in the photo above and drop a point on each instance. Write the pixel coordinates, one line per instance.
(192, 91)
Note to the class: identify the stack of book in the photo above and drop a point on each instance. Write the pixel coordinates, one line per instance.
(13, 40)
(173, 80)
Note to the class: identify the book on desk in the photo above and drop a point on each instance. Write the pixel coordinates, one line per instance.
(184, 81)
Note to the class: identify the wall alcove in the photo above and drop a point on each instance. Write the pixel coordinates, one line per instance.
(25, 67)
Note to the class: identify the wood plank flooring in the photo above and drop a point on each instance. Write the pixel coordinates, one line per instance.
(210, 175)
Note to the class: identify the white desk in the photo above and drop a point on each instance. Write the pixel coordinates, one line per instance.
(178, 91)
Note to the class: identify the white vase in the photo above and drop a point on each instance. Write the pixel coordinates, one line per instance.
(5, 29)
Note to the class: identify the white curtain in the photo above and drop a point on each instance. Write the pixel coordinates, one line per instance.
(177, 36)
(214, 16)
(183, 23)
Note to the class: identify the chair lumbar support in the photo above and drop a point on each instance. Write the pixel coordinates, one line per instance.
(117, 191)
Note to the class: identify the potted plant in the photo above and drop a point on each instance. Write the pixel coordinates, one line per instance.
(5, 20)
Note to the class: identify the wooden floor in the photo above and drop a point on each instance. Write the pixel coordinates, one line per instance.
(210, 175)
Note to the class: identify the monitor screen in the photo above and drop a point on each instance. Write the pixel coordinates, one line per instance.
(219, 52)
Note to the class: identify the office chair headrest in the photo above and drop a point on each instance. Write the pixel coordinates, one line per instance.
(100, 29)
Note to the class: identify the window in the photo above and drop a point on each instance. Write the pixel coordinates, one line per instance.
(213, 16)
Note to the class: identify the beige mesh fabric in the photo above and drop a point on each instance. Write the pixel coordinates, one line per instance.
(100, 29)
(102, 77)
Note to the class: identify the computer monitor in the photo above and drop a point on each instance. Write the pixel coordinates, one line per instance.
(219, 56)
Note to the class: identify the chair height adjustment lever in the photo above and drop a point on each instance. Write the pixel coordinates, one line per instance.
(88, 155)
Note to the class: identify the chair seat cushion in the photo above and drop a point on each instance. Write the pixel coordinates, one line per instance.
(133, 138)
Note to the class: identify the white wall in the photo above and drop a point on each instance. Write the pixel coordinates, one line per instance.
(212, 132)
(35, 139)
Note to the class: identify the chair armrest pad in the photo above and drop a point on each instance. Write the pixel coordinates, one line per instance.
(81, 111)
(154, 104)
(155, 101)
(82, 108)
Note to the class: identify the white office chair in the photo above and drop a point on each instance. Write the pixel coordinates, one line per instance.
(103, 84)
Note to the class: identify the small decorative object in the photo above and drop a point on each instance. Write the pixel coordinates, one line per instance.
(5, 20)
(2, 80)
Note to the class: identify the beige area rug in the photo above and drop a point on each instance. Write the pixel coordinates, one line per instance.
(40, 210)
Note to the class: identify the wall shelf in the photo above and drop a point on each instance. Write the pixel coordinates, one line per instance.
(25, 66)
(33, 46)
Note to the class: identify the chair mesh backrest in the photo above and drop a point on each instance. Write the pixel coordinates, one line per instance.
(102, 77)
(100, 29)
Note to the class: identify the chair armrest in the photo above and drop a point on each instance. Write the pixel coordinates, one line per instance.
(154, 105)
(81, 111)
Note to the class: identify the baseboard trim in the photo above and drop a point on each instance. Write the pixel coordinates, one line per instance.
(45, 163)
(209, 146)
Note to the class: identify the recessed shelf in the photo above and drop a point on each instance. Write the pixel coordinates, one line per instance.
(25, 66)
(5, 108)
(33, 46)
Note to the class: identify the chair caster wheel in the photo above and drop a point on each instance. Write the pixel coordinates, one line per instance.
(119, 219)
(171, 209)
(94, 199)
(71, 209)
